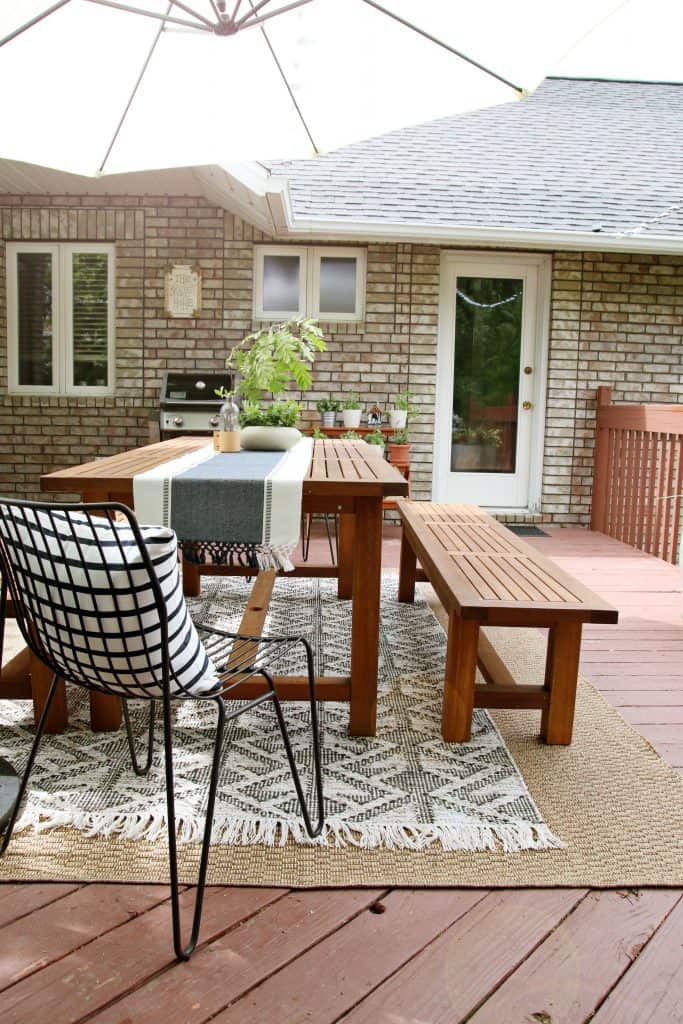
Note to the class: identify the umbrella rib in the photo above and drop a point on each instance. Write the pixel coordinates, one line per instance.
(238, 4)
(272, 14)
(254, 9)
(195, 14)
(288, 87)
(134, 92)
(445, 46)
(34, 21)
(149, 14)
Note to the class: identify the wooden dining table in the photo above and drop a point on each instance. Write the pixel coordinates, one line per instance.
(346, 478)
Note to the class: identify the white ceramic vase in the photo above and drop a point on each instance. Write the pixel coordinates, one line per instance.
(269, 439)
(351, 418)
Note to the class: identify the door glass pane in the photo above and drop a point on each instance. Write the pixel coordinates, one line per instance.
(338, 284)
(34, 276)
(488, 333)
(90, 326)
(281, 284)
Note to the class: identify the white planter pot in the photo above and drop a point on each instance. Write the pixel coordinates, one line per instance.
(376, 450)
(351, 417)
(398, 419)
(269, 439)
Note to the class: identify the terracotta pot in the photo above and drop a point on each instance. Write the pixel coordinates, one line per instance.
(399, 454)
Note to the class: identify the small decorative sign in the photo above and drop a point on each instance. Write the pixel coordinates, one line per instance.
(182, 291)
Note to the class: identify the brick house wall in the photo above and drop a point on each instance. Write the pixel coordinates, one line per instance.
(616, 319)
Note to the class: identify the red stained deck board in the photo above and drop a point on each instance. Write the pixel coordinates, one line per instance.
(328, 981)
(570, 974)
(121, 960)
(454, 974)
(224, 970)
(19, 899)
(652, 991)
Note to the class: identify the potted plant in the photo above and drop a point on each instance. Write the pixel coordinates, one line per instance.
(402, 411)
(327, 407)
(399, 448)
(474, 448)
(269, 361)
(351, 411)
(376, 439)
(350, 435)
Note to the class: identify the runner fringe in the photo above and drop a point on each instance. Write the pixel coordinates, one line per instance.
(511, 838)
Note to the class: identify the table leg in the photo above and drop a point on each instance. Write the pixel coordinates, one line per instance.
(459, 678)
(406, 572)
(367, 578)
(561, 675)
(192, 581)
(105, 712)
(345, 556)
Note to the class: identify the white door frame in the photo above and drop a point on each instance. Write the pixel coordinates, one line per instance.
(542, 265)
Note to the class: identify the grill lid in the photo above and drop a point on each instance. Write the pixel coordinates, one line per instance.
(193, 389)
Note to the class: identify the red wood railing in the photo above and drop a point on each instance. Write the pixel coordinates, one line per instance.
(638, 475)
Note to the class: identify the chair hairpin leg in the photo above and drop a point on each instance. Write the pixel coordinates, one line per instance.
(131, 739)
(29, 764)
(312, 830)
(185, 952)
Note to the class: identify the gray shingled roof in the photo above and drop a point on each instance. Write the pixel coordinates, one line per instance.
(573, 155)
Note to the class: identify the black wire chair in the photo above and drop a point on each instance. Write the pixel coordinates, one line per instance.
(81, 578)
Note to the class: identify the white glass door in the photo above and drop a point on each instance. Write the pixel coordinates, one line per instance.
(491, 370)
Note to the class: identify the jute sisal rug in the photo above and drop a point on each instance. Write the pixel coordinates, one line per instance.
(609, 798)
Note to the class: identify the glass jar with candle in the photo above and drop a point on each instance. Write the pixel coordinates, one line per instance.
(229, 426)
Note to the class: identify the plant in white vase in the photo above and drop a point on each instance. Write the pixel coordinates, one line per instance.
(351, 411)
(270, 360)
(403, 410)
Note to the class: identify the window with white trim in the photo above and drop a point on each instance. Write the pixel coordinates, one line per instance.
(324, 282)
(60, 318)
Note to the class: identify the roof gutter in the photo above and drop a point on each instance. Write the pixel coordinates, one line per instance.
(455, 234)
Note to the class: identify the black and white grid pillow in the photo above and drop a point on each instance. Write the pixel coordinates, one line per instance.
(92, 604)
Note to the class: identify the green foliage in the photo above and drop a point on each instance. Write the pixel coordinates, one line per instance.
(399, 437)
(482, 434)
(351, 402)
(224, 393)
(327, 405)
(375, 437)
(276, 356)
(319, 434)
(279, 414)
(350, 435)
(404, 401)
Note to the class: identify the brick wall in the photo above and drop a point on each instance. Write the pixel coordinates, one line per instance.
(615, 320)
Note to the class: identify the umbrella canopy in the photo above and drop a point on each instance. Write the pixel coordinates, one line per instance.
(106, 85)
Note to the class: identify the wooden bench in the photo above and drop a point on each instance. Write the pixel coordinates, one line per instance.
(485, 575)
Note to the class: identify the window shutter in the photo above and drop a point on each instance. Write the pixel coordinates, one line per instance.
(90, 319)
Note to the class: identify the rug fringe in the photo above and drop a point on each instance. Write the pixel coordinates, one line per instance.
(511, 837)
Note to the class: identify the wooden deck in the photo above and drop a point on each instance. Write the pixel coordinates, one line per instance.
(102, 952)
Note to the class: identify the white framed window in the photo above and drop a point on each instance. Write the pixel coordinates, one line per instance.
(325, 282)
(60, 318)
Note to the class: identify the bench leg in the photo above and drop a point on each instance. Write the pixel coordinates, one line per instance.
(345, 555)
(407, 570)
(561, 673)
(461, 667)
(192, 582)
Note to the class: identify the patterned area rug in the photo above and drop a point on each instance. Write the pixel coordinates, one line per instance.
(403, 789)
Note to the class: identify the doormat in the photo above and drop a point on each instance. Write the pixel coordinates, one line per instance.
(525, 530)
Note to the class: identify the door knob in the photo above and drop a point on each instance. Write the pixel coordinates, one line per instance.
(528, 369)
(527, 405)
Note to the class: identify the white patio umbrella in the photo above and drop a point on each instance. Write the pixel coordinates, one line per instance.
(95, 86)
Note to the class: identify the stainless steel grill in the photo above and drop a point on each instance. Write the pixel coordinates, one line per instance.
(188, 402)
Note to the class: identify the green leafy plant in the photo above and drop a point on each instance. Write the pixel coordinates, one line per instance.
(350, 435)
(465, 435)
(327, 405)
(375, 437)
(491, 436)
(278, 414)
(275, 357)
(399, 437)
(352, 401)
(404, 401)
(319, 434)
(224, 393)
